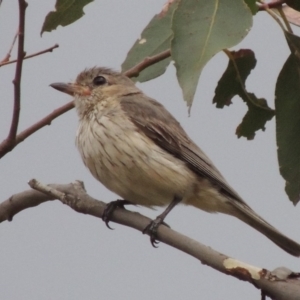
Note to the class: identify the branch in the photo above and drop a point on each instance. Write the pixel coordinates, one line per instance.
(285, 20)
(279, 284)
(36, 126)
(4, 63)
(7, 56)
(146, 62)
(43, 122)
(10, 140)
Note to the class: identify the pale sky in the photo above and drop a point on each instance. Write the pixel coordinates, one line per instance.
(52, 252)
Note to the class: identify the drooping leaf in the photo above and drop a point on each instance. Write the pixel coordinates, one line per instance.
(201, 29)
(256, 117)
(67, 12)
(287, 103)
(232, 83)
(155, 38)
(252, 5)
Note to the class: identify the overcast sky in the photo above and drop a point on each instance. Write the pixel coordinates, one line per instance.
(52, 252)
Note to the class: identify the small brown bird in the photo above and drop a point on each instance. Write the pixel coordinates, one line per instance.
(138, 150)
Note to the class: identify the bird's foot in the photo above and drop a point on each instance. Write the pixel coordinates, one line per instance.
(110, 208)
(152, 228)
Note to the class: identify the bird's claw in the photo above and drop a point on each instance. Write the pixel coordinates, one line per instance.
(152, 228)
(109, 209)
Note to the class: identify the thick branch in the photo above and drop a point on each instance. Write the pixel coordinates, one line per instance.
(278, 285)
(50, 49)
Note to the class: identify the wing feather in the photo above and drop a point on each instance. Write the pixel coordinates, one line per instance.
(159, 125)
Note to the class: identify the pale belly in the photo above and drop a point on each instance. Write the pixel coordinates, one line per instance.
(131, 165)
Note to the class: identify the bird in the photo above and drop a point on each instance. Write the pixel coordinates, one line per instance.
(138, 150)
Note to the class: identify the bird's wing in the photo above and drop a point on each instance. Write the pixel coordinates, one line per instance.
(159, 125)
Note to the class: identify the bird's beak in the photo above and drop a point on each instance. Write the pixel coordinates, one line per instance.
(71, 88)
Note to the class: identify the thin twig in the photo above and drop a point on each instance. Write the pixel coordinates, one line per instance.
(43, 122)
(31, 55)
(7, 56)
(10, 140)
(146, 62)
(286, 22)
(274, 16)
(38, 125)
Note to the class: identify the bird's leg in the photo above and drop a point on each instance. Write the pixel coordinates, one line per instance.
(152, 227)
(109, 209)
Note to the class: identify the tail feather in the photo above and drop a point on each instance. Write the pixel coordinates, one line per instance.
(247, 215)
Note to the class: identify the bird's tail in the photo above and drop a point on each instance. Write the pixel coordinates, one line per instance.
(247, 215)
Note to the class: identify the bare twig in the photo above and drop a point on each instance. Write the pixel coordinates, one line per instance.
(284, 18)
(148, 61)
(7, 56)
(17, 81)
(38, 125)
(43, 122)
(276, 4)
(9, 143)
(30, 56)
(274, 16)
(75, 196)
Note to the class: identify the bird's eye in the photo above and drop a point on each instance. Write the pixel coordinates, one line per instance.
(99, 80)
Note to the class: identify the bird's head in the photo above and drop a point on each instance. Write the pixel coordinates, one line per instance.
(96, 86)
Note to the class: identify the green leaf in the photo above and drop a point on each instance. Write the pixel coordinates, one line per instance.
(295, 4)
(232, 83)
(287, 104)
(252, 5)
(67, 12)
(201, 29)
(155, 38)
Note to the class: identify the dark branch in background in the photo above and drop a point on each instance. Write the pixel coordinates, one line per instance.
(4, 149)
(7, 56)
(279, 284)
(17, 81)
(4, 63)
(146, 62)
(10, 140)
(273, 4)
